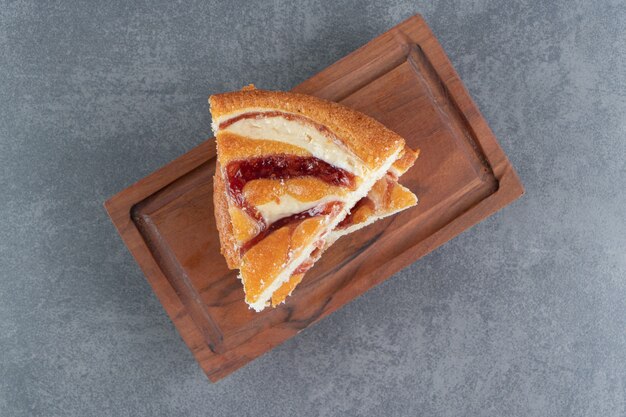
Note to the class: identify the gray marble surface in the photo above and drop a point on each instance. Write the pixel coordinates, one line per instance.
(523, 315)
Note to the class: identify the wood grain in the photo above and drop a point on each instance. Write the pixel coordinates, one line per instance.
(402, 78)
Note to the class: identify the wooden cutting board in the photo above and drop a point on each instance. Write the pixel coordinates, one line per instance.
(402, 78)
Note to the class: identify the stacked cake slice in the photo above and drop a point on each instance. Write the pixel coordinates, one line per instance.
(294, 174)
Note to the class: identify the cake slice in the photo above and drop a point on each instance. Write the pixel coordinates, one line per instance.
(290, 169)
(386, 198)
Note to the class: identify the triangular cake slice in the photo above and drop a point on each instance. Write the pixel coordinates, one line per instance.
(290, 169)
(387, 197)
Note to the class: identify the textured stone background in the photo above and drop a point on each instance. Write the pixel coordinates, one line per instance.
(525, 314)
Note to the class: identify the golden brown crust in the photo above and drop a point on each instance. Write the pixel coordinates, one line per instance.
(405, 162)
(263, 262)
(401, 198)
(389, 196)
(232, 147)
(228, 243)
(365, 137)
(304, 232)
(361, 214)
(244, 227)
(305, 189)
(285, 290)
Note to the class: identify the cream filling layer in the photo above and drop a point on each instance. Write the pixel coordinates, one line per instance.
(350, 200)
(288, 205)
(395, 171)
(296, 133)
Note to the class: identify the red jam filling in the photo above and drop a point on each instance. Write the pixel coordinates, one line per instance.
(330, 208)
(280, 167)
